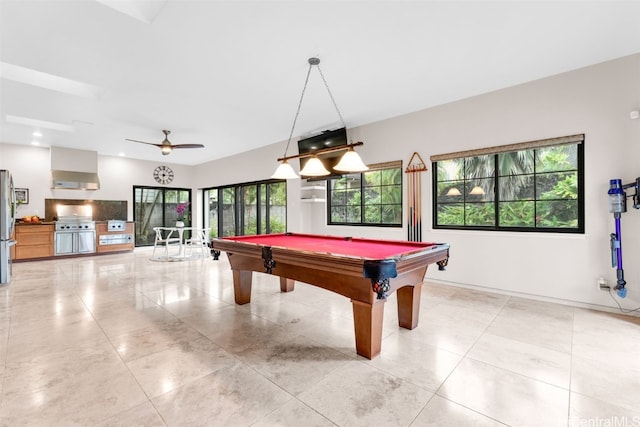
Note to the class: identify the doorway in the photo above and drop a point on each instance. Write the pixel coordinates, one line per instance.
(157, 207)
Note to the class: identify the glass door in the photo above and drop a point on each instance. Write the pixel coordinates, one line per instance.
(158, 207)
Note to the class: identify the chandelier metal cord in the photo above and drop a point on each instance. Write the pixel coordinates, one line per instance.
(312, 62)
(350, 162)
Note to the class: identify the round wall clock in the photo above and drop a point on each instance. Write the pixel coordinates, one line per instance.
(163, 174)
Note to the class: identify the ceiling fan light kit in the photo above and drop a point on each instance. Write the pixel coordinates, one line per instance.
(166, 147)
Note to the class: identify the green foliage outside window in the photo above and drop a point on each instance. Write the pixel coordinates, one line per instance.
(246, 209)
(536, 189)
(368, 198)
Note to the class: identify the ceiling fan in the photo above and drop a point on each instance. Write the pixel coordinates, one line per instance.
(167, 147)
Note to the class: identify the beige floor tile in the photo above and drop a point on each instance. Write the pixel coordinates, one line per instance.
(540, 363)
(436, 292)
(152, 339)
(536, 325)
(52, 337)
(415, 361)
(121, 321)
(187, 302)
(180, 364)
(280, 308)
(360, 395)
(332, 330)
(467, 320)
(294, 414)
(234, 328)
(449, 327)
(46, 307)
(234, 396)
(478, 301)
(596, 336)
(78, 386)
(143, 415)
(55, 324)
(585, 411)
(295, 363)
(505, 396)
(48, 364)
(441, 412)
(612, 382)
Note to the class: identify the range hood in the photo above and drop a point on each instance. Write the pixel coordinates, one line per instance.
(70, 180)
(73, 169)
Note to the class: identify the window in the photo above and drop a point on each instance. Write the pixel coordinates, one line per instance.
(533, 186)
(246, 209)
(369, 198)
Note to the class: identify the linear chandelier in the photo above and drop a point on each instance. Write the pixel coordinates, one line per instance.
(350, 161)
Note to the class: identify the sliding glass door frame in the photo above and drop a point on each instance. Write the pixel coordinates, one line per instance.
(159, 211)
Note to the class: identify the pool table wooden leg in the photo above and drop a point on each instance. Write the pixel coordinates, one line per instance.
(286, 285)
(409, 305)
(367, 321)
(242, 286)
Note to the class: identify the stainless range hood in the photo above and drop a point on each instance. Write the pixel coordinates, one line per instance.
(70, 180)
(73, 169)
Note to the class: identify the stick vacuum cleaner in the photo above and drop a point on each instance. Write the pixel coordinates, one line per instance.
(617, 206)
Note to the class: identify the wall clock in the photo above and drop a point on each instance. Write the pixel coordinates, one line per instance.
(163, 174)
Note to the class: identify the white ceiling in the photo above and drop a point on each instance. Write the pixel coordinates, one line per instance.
(228, 74)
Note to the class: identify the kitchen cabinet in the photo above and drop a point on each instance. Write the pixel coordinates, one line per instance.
(34, 241)
(114, 240)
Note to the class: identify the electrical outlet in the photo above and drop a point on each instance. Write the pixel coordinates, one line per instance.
(602, 284)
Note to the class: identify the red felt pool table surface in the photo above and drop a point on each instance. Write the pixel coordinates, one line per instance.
(335, 245)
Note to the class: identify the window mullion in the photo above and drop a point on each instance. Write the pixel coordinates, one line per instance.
(496, 191)
(362, 196)
(535, 189)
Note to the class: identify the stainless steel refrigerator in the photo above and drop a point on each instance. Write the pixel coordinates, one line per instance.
(8, 208)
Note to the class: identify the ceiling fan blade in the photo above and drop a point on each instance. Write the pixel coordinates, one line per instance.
(166, 146)
(188, 146)
(142, 142)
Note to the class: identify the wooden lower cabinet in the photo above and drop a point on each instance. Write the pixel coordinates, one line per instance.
(101, 230)
(34, 241)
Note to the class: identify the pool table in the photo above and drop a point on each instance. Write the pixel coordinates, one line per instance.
(364, 270)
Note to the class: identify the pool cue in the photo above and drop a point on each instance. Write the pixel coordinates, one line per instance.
(419, 207)
(414, 202)
(415, 206)
(410, 212)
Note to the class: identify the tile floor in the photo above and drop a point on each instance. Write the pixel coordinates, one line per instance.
(119, 340)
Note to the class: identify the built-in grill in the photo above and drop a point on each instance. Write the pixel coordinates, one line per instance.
(67, 225)
(75, 230)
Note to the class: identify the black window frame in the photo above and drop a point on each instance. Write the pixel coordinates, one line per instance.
(579, 229)
(239, 226)
(362, 189)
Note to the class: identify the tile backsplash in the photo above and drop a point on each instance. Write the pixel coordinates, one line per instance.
(103, 210)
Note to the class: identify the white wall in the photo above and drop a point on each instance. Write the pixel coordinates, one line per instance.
(595, 101)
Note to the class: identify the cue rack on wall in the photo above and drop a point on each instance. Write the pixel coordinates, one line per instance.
(414, 192)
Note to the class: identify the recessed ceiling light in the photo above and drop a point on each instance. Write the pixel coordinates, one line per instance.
(121, 154)
(36, 134)
(35, 143)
